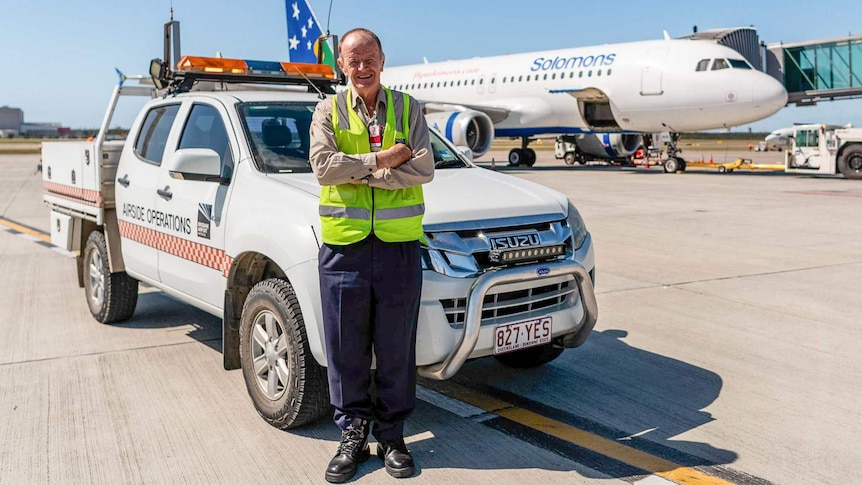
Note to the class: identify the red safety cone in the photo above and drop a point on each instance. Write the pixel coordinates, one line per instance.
(710, 159)
(701, 158)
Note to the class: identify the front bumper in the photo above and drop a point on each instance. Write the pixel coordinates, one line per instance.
(445, 349)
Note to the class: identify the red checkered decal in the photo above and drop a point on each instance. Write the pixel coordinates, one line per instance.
(183, 248)
(75, 194)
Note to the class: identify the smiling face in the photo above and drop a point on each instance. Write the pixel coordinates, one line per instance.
(361, 60)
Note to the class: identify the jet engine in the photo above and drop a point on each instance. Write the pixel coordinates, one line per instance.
(609, 145)
(470, 128)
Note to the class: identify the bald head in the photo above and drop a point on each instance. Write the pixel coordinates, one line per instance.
(359, 35)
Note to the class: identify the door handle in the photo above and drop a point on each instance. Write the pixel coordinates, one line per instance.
(165, 193)
(124, 181)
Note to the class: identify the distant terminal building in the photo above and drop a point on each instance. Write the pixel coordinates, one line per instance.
(11, 120)
(12, 125)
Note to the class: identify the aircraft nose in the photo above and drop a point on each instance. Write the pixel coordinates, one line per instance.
(768, 95)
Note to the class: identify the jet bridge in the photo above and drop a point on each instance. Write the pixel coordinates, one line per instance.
(818, 70)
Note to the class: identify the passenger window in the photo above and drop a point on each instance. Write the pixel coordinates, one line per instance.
(153, 137)
(205, 129)
(703, 65)
(719, 64)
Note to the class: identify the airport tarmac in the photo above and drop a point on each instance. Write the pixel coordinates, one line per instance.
(728, 350)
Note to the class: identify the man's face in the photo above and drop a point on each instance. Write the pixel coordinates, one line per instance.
(362, 62)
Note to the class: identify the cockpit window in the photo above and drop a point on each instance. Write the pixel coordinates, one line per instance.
(739, 64)
(703, 65)
(719, 64)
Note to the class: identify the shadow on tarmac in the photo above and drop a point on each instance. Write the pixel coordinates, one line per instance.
(150, 313)
(605, 387)
(614, 390)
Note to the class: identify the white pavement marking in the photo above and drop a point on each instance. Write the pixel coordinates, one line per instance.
(28, 237)
(653, 480)
(62, 251)
(445, 402)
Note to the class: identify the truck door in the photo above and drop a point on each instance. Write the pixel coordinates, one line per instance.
(807, 148)
(135, 190)
(192, 259)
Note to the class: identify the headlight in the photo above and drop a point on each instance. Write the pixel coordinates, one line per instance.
(579, 229)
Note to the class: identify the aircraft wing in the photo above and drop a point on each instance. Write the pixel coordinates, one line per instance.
(496, 114)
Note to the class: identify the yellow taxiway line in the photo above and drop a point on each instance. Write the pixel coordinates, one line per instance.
(25, 230)
(659, 466)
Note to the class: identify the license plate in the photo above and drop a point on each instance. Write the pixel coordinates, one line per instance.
(520, 335)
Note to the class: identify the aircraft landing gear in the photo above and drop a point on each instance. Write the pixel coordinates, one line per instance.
(674, 162)
(524, 155)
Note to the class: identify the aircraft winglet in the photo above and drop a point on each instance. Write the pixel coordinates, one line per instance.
(666, 35)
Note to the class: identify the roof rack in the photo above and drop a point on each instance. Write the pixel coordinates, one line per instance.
(319, 78)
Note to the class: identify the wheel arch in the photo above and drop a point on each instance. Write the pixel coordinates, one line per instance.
(250, 268)
(842, 150)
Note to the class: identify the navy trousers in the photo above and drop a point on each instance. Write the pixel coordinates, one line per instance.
(370, 293)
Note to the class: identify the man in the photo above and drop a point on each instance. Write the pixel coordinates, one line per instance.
(371, 152)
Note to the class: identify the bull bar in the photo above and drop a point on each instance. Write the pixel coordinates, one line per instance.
(475, 299)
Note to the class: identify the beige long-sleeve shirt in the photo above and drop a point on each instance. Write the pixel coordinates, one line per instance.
(334, 167)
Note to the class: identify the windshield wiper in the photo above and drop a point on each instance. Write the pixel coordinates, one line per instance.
(454, 163)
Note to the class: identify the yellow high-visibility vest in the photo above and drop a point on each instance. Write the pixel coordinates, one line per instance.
(349, 212)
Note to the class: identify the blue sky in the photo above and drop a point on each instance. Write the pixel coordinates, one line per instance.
(57, 58)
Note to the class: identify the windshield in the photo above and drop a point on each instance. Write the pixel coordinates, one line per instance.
(278, 135)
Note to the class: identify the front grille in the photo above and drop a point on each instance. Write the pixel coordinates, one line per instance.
(464, 252)
(510, 304)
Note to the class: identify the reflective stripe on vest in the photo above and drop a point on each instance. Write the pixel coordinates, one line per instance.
(346, 210)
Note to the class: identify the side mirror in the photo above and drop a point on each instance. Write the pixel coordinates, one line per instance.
(465, 151)
(202, 164)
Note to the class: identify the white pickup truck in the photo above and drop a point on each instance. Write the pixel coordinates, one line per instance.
(211, 199)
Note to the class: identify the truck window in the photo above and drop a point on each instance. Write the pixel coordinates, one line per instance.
(205, 129)
(153, 136)
(278, 134)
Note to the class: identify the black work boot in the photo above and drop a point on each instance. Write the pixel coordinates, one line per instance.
(396, 457)
(352, 451)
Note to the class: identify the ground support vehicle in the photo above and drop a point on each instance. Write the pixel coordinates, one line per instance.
(211, 199)
(818, 149)
(738, 164)
(566, 149)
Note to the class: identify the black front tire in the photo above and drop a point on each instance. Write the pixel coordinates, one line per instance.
(530, 357)
(516, 156)
(301, 393)
(569, 158)
(530, 158)
(112, 297)
(850, 164)
(671, 165)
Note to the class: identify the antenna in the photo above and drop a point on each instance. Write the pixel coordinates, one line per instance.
(328, 17)
(172, 39)
(319, 92)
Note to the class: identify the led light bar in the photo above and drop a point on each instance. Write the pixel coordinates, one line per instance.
(527, 254)
(218, 65)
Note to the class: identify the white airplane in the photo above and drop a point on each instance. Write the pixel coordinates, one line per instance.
(674, 85)
(780, 137)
